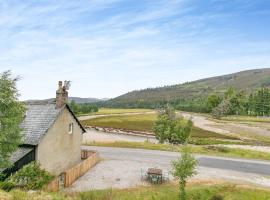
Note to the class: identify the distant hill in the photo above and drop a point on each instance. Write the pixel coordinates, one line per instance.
(78, 100)
(244, 80)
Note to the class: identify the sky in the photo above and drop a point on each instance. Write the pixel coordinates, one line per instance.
(109, 47)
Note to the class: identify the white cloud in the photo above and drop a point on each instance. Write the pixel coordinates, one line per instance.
(106, 52)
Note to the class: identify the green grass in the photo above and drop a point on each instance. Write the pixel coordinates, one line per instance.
(141, 122)
(145, 122)
(206, 150)
(236, 118)
(158, 192)
(109, 111)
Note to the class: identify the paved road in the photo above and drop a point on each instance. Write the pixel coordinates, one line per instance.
(123, 168)
(163, 157)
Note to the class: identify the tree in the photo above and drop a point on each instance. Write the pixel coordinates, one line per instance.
(184, 168)
(170, 128)
(162, 127)
(11, 115)
(230, 93)
(82, 108)
(74, 107)
(181, 131)
(213, 101)
(222, 109)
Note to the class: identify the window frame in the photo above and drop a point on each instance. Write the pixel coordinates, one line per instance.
(70, 128)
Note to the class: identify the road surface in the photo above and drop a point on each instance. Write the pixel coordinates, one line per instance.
(122, 167)
(240, 165)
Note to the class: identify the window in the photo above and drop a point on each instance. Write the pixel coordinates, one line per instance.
(70, 128)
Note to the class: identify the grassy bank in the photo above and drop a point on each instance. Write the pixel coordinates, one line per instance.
(206, 150)
(161, 192)
(145, 122)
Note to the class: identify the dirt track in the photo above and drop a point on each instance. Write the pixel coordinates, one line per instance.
(231, 128)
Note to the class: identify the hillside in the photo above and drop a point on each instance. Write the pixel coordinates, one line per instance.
(78, 100)
(245, 80)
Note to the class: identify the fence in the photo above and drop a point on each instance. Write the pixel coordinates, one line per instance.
(90, 158)
(86, 154)
(74, 173)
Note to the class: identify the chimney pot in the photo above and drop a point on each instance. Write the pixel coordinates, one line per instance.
(61, 96)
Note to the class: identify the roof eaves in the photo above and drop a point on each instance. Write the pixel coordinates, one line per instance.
(81, 126)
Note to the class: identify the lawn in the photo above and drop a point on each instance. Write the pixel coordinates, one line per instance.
(159, 192)
(205, 150)
(145, 122)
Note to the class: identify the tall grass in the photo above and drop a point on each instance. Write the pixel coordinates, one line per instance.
(159, 192)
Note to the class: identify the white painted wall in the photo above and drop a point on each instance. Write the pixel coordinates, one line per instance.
(59, 150)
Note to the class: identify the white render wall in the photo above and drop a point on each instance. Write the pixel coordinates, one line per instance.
(59, 150)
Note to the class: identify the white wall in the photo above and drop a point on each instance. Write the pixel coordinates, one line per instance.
(59, 150)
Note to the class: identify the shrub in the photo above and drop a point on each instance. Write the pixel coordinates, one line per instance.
(6, 185)
(31, 177)
(217, 197)
(221, 110)
(184, 168)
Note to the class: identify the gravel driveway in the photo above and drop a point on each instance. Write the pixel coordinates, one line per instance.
(121, 168)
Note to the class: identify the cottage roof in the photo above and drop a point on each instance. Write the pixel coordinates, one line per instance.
(39, 117)
(19, 153)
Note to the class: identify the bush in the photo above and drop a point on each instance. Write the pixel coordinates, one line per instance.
(217, 197)
(31, 177)
(221, 110)
(6, 185)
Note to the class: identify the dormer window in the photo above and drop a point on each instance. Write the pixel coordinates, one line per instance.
(70, 128)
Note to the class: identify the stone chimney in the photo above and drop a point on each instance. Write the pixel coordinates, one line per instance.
(61, 95)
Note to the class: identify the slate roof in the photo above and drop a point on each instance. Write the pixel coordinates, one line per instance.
(38, 119)
(20, 153)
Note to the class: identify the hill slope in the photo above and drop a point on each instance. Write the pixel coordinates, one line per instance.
(245, 80)
(78, 100)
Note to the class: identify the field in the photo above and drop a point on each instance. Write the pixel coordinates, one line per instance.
(144, 122)
(109, 111)
(161, 192)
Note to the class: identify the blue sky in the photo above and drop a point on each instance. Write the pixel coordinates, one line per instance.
(109, 47)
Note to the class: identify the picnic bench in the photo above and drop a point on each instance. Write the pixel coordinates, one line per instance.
(154, 175)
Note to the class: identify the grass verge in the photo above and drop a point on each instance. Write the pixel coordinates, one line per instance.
(236, 118)
(159, 192)
(206, 150)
